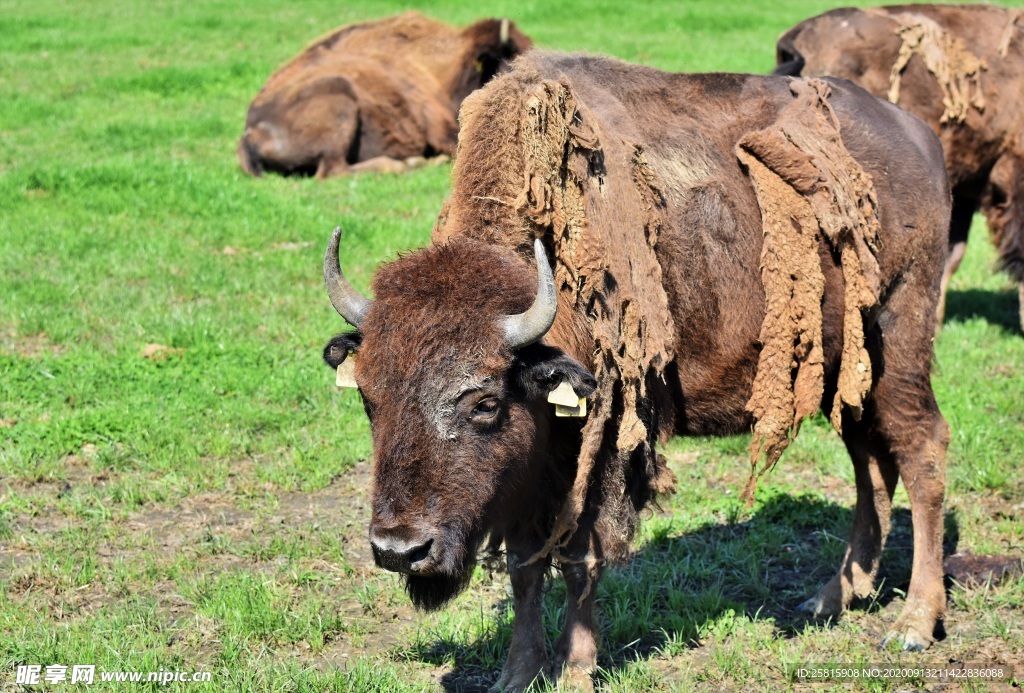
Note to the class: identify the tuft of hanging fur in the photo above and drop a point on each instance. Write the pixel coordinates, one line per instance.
(808, 187)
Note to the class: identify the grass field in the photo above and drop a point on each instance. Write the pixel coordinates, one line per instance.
(181, 486)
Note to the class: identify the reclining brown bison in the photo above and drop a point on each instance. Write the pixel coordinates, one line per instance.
(960, 68)
(656, 304)
(375, 96)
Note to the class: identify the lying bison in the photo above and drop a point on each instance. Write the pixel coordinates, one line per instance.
(960, 68)
(376, 96)
(712, 252)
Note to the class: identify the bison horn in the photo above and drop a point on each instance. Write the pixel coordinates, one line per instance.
(349, 303)
(503, 33)
(526, 328)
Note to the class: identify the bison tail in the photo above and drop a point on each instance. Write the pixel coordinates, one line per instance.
(788, 60)
(1011, 250)
(1003, 205)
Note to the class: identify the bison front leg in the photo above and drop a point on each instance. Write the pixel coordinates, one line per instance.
(577, 646)
(331, 167)
(527, 655)
(876, 476)
(1003, 205)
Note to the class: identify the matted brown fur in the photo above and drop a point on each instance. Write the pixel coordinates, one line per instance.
(381, 91)
(808, 186)
(960, 68)
(956, 69)
(554, 158)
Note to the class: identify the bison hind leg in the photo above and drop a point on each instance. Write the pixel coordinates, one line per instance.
(903, 435)
(876, 475)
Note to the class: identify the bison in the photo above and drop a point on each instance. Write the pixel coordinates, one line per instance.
(712, 252)
(375, 96)
(960, 68)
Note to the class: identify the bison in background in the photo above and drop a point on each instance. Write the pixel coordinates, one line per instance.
(656, 254)
(376, 96)
(960, 68)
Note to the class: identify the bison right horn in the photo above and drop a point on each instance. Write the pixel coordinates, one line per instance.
(526, 328)
(349, 303)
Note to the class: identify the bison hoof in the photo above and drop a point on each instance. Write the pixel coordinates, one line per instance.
(576, 680)
(910, 639)
(516, 680)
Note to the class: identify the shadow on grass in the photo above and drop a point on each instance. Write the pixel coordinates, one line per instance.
(998, 308)
(680, 588)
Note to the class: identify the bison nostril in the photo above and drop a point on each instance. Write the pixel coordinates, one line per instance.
(421, 552)
(402, 556)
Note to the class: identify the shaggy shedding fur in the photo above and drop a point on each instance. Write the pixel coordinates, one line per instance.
(957, 70)
(930, 59)
(808, 186)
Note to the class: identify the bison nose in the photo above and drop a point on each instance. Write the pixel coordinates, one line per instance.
(394, 551)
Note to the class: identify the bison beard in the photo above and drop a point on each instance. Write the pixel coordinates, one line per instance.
(433, 592)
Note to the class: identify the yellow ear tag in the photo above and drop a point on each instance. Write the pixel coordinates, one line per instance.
(564, 395)
(347, 373)
(579, 411)
(566, 401)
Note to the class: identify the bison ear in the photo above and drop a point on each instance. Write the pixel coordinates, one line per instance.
(340, 346)
(541, 368)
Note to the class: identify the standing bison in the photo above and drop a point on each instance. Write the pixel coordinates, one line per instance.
(712, 252)
(376, 96)
(960, 68)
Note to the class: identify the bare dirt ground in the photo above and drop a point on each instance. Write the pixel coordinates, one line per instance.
(210, 534)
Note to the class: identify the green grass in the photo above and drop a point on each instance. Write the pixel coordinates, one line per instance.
(204, 508)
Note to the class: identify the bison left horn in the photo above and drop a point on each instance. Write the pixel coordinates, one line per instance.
(526, 328)
(349, 303)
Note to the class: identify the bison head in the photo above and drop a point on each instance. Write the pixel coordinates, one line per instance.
(454, 380)
(846, 42)
(489, 47)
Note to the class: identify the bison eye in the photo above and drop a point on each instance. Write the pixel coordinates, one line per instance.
(485, 411)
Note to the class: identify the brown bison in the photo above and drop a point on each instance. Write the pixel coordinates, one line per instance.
(712, 252)
(960, 68)
(375, 96)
